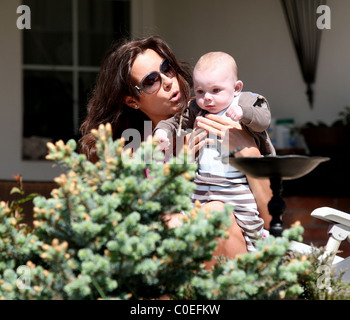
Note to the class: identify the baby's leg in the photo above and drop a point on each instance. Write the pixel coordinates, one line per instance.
(251, 225)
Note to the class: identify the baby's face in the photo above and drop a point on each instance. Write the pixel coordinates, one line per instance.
(214, 88)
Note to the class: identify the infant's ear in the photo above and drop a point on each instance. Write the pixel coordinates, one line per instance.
(238, 87)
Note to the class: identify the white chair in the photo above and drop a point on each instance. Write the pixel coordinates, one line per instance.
(338, 232)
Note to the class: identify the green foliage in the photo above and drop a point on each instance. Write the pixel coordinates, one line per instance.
(266, 273)
(321, 283)
(15, 206)
(103, 234)
(342, 121)
(344, 117)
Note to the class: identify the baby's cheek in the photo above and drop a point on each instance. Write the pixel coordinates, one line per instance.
(200, 102)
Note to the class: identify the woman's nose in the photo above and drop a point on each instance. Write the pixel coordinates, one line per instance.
(167, 82)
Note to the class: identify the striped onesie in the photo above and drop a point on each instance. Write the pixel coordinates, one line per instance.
(222, 182)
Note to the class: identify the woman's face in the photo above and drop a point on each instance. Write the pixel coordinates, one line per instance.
(164, 102)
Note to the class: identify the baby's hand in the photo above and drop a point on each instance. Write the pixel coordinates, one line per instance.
(235, 113)
(162, 138)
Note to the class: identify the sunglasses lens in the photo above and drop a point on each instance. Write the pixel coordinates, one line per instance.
(151, 83)
(167, 69)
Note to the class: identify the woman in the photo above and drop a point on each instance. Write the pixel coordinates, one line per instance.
(121, 97)
(142, 80)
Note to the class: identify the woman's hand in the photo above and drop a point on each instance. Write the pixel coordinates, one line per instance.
(196, 140)
(232, 134)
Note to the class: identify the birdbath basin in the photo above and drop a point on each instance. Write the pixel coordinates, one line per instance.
(283, 167)
(277, 169)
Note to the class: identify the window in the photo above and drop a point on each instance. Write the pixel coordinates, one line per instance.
(61, 56)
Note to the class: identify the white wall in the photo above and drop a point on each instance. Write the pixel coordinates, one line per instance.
(254, 32)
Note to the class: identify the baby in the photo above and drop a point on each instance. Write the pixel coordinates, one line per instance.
(218, 91)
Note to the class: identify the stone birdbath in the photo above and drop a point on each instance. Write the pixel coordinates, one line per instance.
(277, 169)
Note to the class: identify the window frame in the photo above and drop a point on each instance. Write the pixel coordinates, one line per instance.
(76, 69)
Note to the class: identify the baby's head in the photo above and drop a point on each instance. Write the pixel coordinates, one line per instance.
(216, 83)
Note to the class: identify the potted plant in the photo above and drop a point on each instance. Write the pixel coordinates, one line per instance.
(325, 140)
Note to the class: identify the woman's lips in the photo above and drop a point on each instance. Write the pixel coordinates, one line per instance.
(175, 97)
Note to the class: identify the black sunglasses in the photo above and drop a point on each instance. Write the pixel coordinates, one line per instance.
(152, 81)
